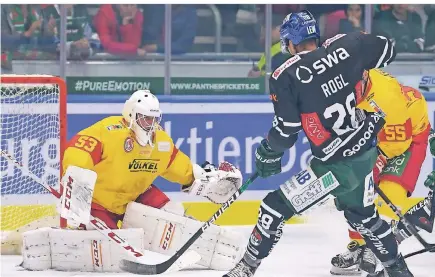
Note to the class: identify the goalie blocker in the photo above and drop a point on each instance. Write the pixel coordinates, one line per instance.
(162, 231)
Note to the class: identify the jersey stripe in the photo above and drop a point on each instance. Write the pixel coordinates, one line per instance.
(173, 155)
(291, 124)
(382, 59)
(88, 144)
(281, 132)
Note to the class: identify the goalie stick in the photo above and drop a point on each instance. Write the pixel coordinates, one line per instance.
(190, 258)
(148, 269)
(411, 228)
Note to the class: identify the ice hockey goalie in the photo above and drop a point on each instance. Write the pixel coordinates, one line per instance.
(109, 170)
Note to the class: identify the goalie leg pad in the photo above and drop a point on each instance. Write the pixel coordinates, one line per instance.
(12, 242)
(165, 232)
(75, 250)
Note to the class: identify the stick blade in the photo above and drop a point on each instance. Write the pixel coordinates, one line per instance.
(189, 258)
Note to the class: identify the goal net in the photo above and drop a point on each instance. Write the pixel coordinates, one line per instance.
(33, 130)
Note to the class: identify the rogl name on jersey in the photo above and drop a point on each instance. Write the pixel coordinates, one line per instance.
(334, 85)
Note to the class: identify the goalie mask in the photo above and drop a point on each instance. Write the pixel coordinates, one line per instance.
(143, 114)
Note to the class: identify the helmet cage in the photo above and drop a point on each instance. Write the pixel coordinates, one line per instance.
(144, 126)
(143, 114)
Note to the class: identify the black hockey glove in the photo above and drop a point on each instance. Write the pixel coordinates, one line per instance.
(430, 181)
(431, 141)
(267, 161)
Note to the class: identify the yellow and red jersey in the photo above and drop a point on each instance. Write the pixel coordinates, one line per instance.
(404, 108)
(125, 168)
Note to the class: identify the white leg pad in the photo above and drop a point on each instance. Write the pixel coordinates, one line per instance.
(166, 232)
(75, 250)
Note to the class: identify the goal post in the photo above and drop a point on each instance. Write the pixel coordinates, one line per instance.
(33, 130)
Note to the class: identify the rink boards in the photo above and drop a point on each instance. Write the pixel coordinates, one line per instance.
(205, 128)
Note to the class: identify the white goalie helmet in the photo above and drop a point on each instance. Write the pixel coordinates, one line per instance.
(143, 114)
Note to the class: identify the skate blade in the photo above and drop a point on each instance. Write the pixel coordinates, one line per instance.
(349, 271)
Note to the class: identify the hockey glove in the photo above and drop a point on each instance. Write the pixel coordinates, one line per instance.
(267, 161)
(430, 181)
(432, 142)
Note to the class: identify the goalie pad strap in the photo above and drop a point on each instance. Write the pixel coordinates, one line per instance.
(75, 250)
(165, 232)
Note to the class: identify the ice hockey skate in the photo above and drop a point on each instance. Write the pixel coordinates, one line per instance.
(242, 269)
(398, 269)
(347, 263)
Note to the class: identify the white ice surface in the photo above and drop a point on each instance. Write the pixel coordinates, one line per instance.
(303, 251)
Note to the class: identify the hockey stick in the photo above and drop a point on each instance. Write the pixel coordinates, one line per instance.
(421, 251)
(411, 228)
(147, 269)
(431, 219)
(188, 259)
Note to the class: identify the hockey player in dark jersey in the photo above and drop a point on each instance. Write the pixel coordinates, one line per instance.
(313, 91)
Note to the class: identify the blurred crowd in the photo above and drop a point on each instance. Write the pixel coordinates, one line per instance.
(33, 31)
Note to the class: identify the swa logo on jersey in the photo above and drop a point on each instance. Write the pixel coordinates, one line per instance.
(143, 165)
(305, 74)
(330, 60)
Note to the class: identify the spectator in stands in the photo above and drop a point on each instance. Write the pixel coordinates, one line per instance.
(184, 21)
(119, 27)
(284, 9)
(430, 28)
(247, 29)
(240, 23)
(154, 18)
(382, 7)
(25, 35)
(402, 26)
(275, 51)
(79, 32)
(329, 21)
(354, 21)
(319, 10)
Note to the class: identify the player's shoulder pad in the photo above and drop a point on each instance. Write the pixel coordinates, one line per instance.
(163, 141)
(280, 69)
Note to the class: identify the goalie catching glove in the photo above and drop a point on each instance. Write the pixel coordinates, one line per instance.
(215, 184)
